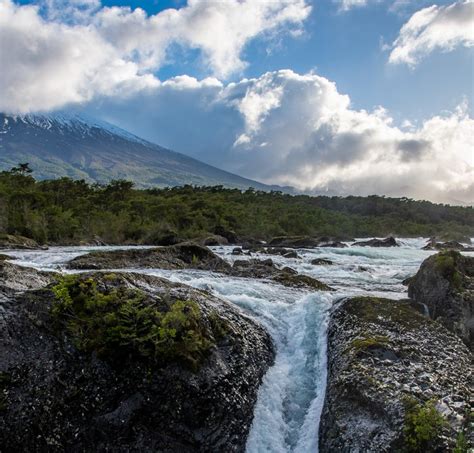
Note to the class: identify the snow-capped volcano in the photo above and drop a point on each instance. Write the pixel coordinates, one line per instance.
(86, 148)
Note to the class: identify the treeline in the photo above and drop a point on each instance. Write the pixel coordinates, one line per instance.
(66, 211)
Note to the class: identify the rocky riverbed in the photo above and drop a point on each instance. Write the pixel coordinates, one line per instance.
(393, 365)
(67, 385)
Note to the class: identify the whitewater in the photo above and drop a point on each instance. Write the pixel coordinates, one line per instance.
(291, 397)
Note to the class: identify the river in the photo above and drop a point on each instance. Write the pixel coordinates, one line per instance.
(291, 397)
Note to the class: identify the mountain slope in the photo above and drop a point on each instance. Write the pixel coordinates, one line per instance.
(84, 148)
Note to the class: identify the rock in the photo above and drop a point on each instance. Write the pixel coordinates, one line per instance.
(9, 241)
(444, 284)
(215, 240)
(305, 242)
(287, 276)
(290, 254)
(57, 396)
(386, 360)
(387, 242)
(186, 255)
(450, 245)
(325, 241)
(286, 253)
(300, 281)
(321, 262)
(237, 251)
(226, 233)
(294, 242)
(407, 281)
(18, 278)
(165, 239)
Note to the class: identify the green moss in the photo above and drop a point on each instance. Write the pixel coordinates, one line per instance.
(446, 265)
(423, 426)
(104, 316)
(462, 445)
(378, 311)
(361, 344)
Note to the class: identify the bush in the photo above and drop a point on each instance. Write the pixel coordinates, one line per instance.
(116, 322)
(423, 425)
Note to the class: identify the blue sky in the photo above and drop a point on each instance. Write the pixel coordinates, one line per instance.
(345, 46)
(346, 96)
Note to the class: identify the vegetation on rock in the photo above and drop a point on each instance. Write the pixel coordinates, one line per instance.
(117, 322)
(423, 426)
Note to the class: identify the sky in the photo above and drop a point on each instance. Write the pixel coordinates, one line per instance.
(333, 96)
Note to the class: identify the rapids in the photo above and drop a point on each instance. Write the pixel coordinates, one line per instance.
(291, 397)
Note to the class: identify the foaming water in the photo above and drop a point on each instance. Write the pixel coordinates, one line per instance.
(291, 397)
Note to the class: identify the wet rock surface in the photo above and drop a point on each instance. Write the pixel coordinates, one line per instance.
(56, 398)
(9, 241)
(193, 256)
(445, 285)
(186, 255)
(381, 355)
(387, 242)
(305, 242)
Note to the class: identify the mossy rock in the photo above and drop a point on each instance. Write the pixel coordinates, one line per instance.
(101, 314)
(378, 310)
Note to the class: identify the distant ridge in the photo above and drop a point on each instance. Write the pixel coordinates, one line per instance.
(81, 147)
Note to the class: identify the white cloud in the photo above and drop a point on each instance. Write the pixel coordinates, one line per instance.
(61, 52)
(434, 28)
(294, 129)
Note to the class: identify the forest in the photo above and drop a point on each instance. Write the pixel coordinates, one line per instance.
(66, 211)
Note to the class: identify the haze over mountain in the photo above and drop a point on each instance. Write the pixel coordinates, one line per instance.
(85, 148)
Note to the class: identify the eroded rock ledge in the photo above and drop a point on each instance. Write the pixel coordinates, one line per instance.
(64, 387)
(445, 285)
(388, 368)
(189, 255)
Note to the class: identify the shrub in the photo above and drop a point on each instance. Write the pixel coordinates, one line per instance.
(423, 424)
(116, 322)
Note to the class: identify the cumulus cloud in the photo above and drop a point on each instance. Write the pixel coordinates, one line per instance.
(58, 52)
(298, 130)
(442, 28)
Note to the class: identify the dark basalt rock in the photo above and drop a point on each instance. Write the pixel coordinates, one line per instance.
(383, 354)
(387, 242)
(305, 242)
(186, 255)
(56, 398)
(237, 251)
(445, 285)
(230, 235)
(450, 245)
(294, 242)
(286, 253)
(215, 240)
(321, 262)
(287, 276)
(9, 241)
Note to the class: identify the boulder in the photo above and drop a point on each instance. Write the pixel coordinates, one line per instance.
(450, 245)
(294, 242)
(321, 262)
(237, 251)
(230, 235)
(287, 276)
(397, 381)
(214, 240)
(67, 388)
(286, 253)
(444, 284)
(387, 242)
(186, 255)
(9, 241)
